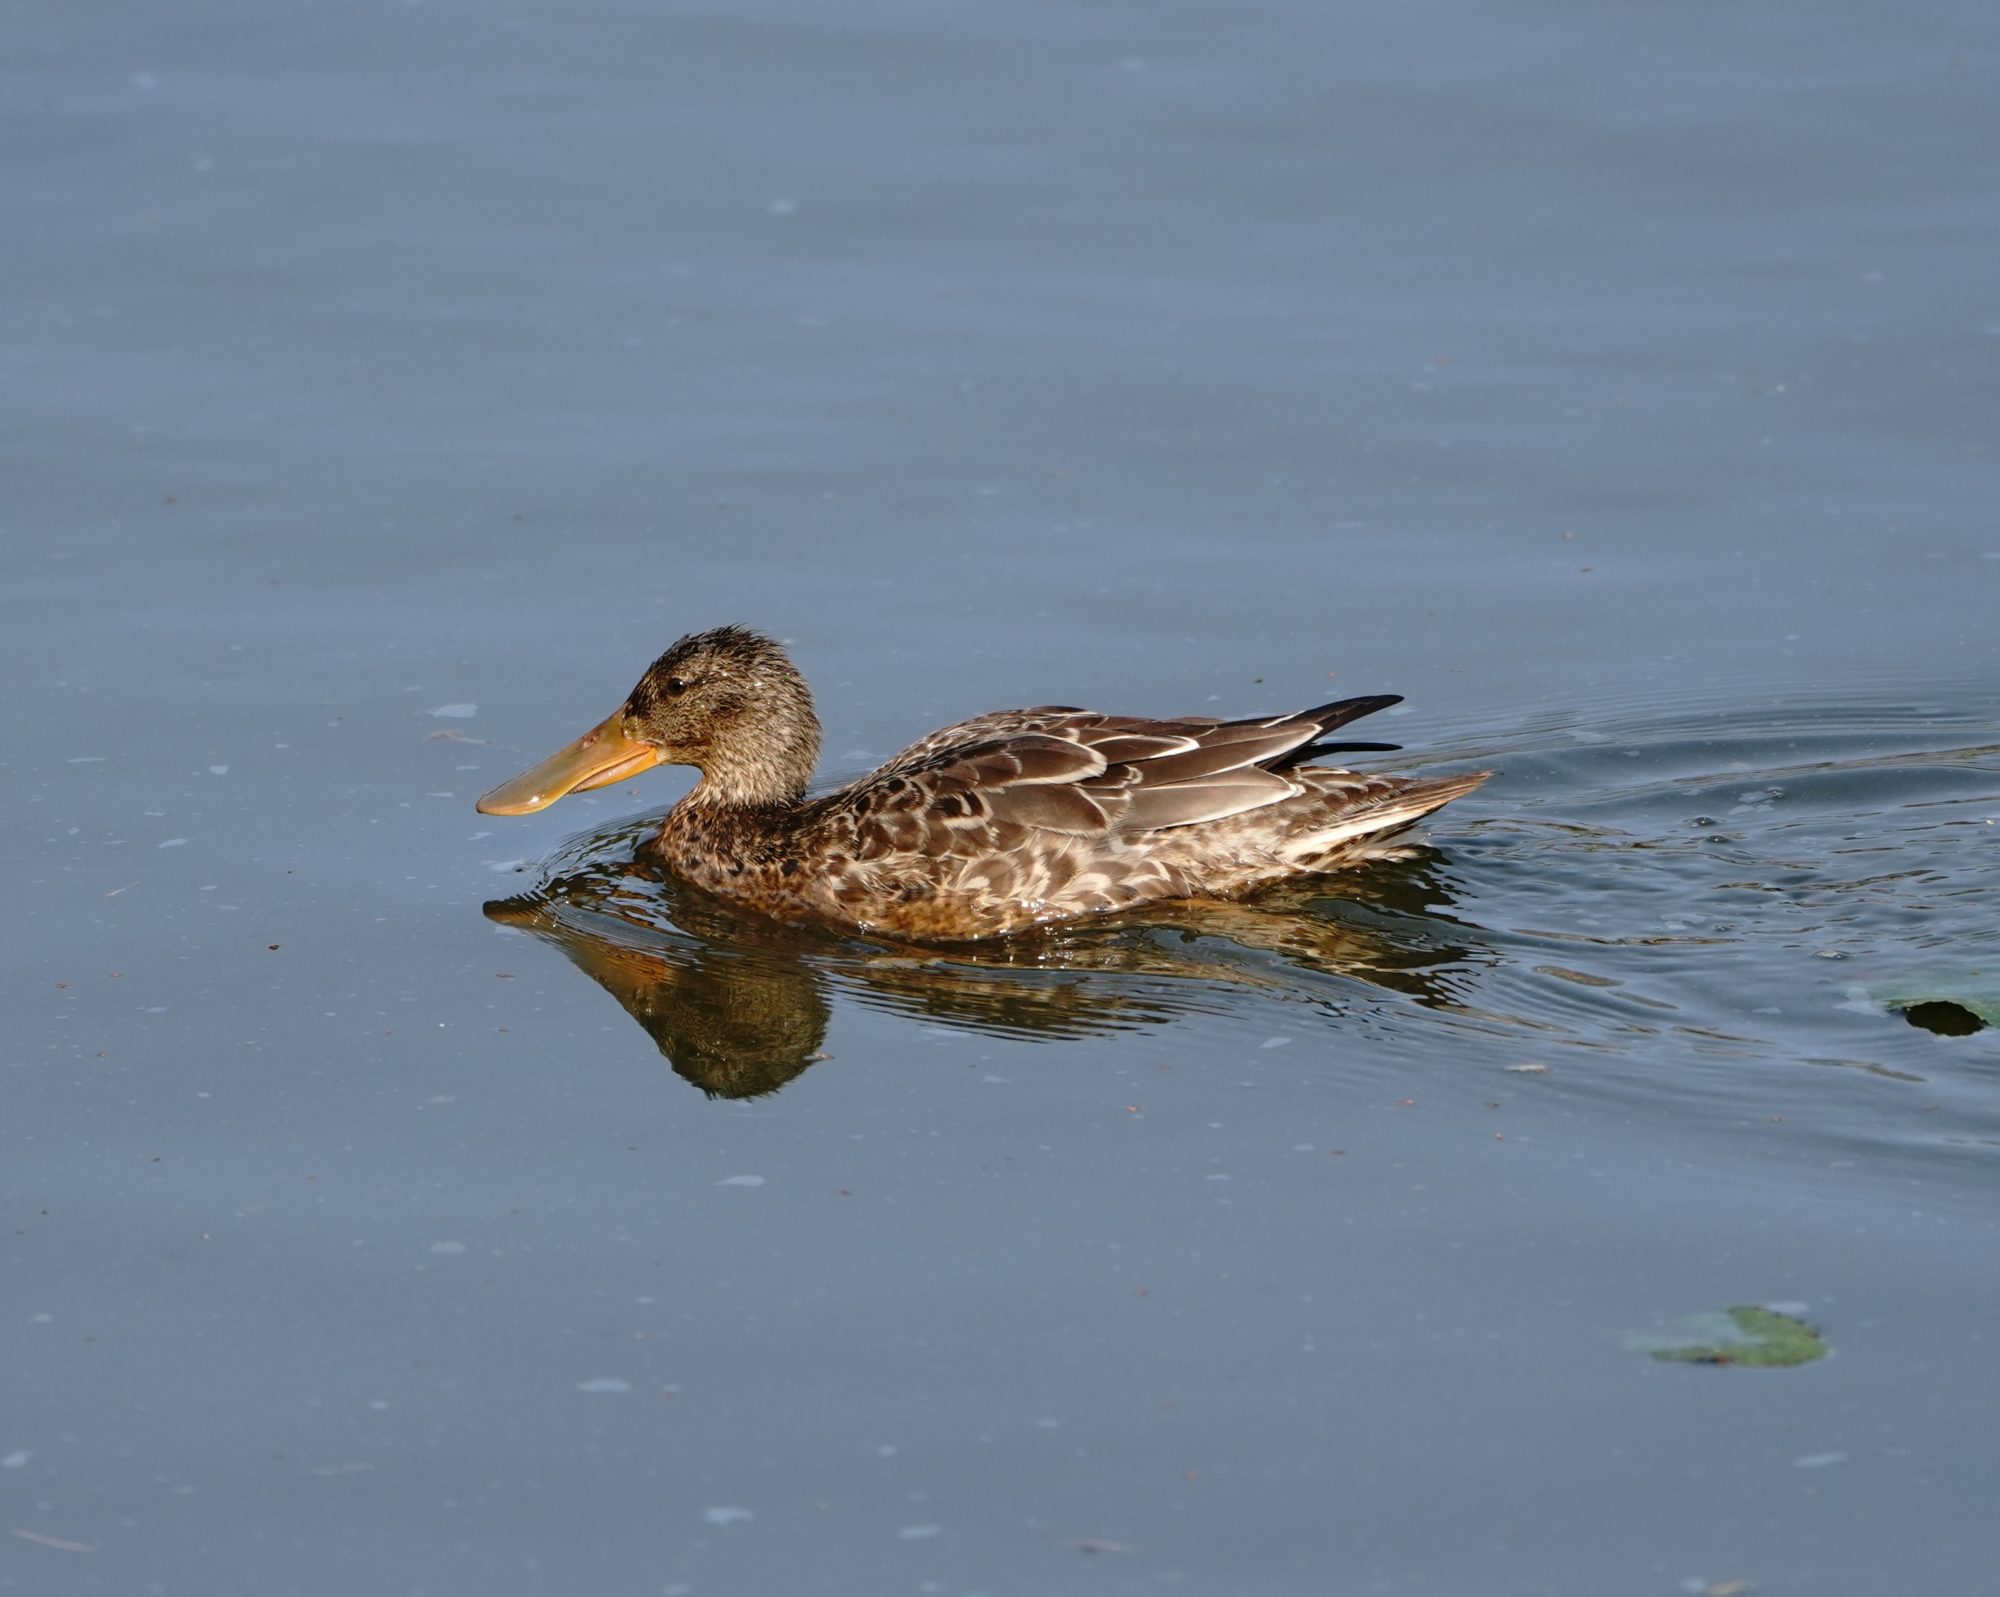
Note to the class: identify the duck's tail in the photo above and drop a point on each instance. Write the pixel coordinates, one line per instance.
(1362, 825)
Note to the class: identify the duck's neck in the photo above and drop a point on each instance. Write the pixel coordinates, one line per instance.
(767, 770)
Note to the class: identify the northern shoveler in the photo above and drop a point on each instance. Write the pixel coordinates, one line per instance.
(1003, 822)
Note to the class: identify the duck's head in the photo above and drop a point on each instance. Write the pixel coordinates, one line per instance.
(728, 701)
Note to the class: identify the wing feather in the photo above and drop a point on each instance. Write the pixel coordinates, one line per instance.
(1152, 809)
(1058, 769)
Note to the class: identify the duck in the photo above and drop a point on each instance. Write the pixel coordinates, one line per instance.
(1005, 822)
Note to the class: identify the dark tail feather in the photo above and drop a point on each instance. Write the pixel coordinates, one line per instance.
(1313, 751)
(1331, 718)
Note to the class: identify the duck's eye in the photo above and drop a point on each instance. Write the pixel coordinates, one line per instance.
(677, 686)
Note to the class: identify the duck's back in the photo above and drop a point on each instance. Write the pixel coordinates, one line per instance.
(1027, 816)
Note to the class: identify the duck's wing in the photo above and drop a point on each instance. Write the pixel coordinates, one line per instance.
(1058, 769)
(947, 742)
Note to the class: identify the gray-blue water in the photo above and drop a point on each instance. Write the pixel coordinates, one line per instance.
(384, 385)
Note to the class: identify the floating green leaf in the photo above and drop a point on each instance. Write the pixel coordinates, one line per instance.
(1952, 1003)
(1746, 1334)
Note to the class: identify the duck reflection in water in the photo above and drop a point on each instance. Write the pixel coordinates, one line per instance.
(739, 1003)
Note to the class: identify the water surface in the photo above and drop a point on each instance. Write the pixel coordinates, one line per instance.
(410, 1201)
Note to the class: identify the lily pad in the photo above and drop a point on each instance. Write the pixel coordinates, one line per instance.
(1746, 1334)
(1950, 1003)
(1944, 1017)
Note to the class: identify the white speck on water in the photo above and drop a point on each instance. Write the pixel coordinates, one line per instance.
(379, 1404)
(156, 1009)
(1818, 1460)
(604, 1383)
(727, 1516)
(1048, 1425)
(741, 1181)
(919, 1533)
(887, 1450)
(16, 1460)
(87, 759)
(783, 207)
(146, 81)
(1275, 1042)
(218, 770)
(449, 1247)
(455, 712)
(172, 842)
(1215, 1175)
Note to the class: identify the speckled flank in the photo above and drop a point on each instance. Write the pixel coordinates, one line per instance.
(1005, 821)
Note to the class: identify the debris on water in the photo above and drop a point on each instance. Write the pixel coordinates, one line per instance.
(1950, 1003)
(1528, 1070)
(1747, 1334)
(727, 1516)
(455, 712)
(57, 1542)
(603, 1384)
(1945, 1018)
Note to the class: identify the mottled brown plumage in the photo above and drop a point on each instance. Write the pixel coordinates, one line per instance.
(1002, 822)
